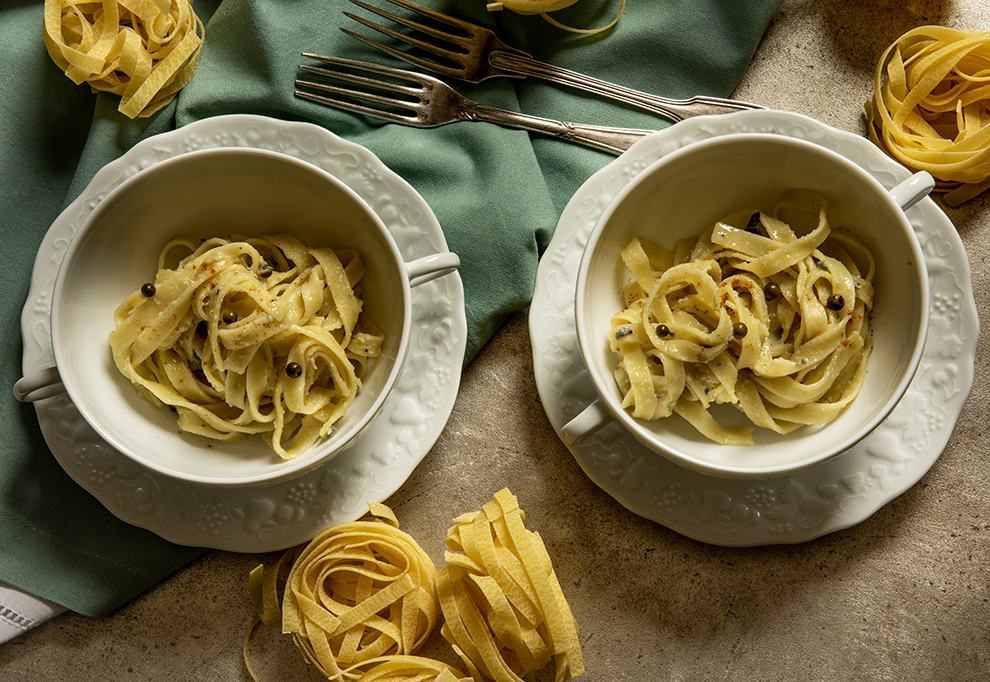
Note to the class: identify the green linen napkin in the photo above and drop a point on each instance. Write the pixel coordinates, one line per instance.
(496, 192)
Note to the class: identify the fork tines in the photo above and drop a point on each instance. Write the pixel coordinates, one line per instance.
(349, 99)
(453, 58)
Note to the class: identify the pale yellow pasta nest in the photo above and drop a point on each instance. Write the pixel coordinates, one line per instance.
(543, 7)
(145, 51)
(360, 600)
(362, 597)
(931, 107)
(504, 612)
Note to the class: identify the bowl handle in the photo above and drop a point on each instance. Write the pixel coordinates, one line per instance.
(589, 421)
(428, 268)
(44, 383)
(913, 190)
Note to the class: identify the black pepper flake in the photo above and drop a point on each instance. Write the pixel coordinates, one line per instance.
(202, 330)
(293, 370)
(835, 302)
(662, 330)
(265, 271)
(148, 289)
(625, 331)
(229, 317)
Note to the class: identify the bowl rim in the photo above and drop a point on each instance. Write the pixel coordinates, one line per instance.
(321, 451)
(587, 339)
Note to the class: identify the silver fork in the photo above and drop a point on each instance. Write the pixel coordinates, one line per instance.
(418, 100)
(478, 54)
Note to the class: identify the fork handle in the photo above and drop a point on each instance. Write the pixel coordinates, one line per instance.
(674, 109)
(603, 138)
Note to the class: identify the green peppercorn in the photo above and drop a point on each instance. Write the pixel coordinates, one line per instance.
(739, 330)
(293, 370)
(835, 302)
(148, 289)
(229, 317)
(771, 291)
(663, 330)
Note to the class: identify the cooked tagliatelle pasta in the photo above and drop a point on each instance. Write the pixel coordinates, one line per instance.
(750, 314)
(504, 612)
(249, 336)
(145, 51)
(931, 107)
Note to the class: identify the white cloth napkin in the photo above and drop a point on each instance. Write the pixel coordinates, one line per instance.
(20, 611)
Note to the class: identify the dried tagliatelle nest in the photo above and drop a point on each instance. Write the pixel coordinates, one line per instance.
(359, 600)
(362, 597)
(145, 51)
(504, 612)
(543, 7)
(931, 107)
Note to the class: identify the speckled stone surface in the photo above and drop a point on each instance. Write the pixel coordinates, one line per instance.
(902, 596)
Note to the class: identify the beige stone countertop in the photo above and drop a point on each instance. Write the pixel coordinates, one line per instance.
(903, 595)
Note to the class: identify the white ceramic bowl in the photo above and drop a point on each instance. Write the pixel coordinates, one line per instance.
(687, 191)
(209, 193)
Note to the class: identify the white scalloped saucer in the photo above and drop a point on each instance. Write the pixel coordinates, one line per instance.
(835, 495)
(269, 518)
